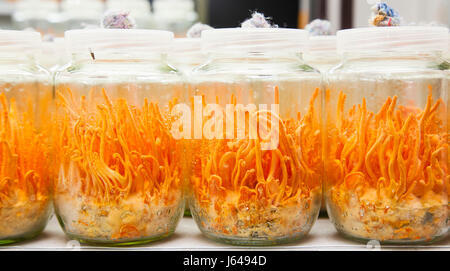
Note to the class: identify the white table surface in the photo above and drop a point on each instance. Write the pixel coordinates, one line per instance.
(323, 236)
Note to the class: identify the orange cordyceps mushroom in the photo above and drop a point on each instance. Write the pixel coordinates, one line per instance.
(120, 171)
(243, 191)
(24, 172)
(382, 169)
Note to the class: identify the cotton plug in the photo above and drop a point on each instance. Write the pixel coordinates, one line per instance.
(319, 27)
(257, 21)
(196, 30)
(118, 20)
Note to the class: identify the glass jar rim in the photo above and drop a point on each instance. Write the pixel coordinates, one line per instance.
(393, 39)
(254, 40)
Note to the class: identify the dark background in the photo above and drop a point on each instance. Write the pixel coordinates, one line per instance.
(231, 13)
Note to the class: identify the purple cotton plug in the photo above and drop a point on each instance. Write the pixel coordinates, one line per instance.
(196, 30)
(384, 15)
(118, 20)
(319, 27)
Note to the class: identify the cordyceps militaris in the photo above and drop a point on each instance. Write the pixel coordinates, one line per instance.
(237, 173)
(399, 152)
(118, 150)
(24, 172)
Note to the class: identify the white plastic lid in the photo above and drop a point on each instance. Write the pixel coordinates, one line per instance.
(124, 41)
(322, 44)
(256, 40)
(13, 40)
(393, 39)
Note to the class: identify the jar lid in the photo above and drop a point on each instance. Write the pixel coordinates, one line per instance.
(254, 40)
(393, 39)
(322, 44)
(14, 40)
(124, 41)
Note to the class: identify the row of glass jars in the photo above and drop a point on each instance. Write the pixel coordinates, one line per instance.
(119, 137)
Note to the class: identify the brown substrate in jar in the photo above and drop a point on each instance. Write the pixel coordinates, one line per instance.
(252, 222)
(387, 172)
(245, 195)
(411, 220)
(120, 177)
(23, 219)
(24, 168)
(132, 219)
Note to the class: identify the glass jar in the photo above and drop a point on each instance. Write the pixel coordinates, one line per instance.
(321, 53)
(255, 157)
(387, 141)
(25, 129)
(119, 177)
